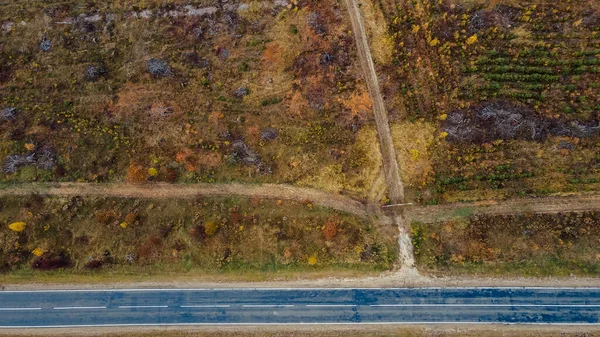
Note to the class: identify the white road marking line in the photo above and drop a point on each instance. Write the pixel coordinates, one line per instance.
(19, 309)
(75, 308)
(205, 306)
(142, 306)
(300, 288)
(267, 305)
(331, 305)
(490, 305)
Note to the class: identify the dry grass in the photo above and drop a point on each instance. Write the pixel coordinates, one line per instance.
(412, 142)
(367, 160)
(382, 45)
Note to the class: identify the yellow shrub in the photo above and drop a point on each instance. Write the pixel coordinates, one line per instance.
(211, 228)
(37, 252)
(17, 226)
(312, 260)
(152, 172)
(471, 40)
(123, 225)
(414, 154)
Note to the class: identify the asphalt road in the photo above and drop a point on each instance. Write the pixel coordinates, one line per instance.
(299, 306)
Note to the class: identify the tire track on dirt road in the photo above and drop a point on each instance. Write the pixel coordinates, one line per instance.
(173, 191)
(390, 165)
(386, 143)
(540, 205)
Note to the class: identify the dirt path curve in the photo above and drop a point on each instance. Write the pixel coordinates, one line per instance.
(162, 191)
(390, 165)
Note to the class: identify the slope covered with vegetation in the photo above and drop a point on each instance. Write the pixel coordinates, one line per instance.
(194, 91)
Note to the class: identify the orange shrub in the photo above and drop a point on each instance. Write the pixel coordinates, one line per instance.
(330, 230)
(136, 174)
(131, 218)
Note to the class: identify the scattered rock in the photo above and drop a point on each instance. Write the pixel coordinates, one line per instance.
(46, 44)
(223, 53)
(15, 161)
(91, 18)
(591, 19)
(8, 26)
(504, 121)
(314, 22)
(94, 72)
(281, 3)
(326, 58)
(130, 258)
(242, 152)
(159, 110)
(241, 92)
(269, 134)
(198, 32)
(145, 14)
(45, 159)
(200, 11)
(566, 145)
(501, 16)
(158, 68)
(8, 113)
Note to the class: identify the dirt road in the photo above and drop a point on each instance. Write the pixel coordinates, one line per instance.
(162, 190)
(390, 165)
(548, 205)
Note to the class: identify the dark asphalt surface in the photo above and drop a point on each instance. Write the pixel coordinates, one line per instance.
(299, 306)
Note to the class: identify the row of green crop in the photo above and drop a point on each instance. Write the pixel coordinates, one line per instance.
(514, 77)
(510, 69)
(491, 178)
(542, 62)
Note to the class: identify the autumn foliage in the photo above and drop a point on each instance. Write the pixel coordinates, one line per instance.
(136, 174)
(330, 230)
